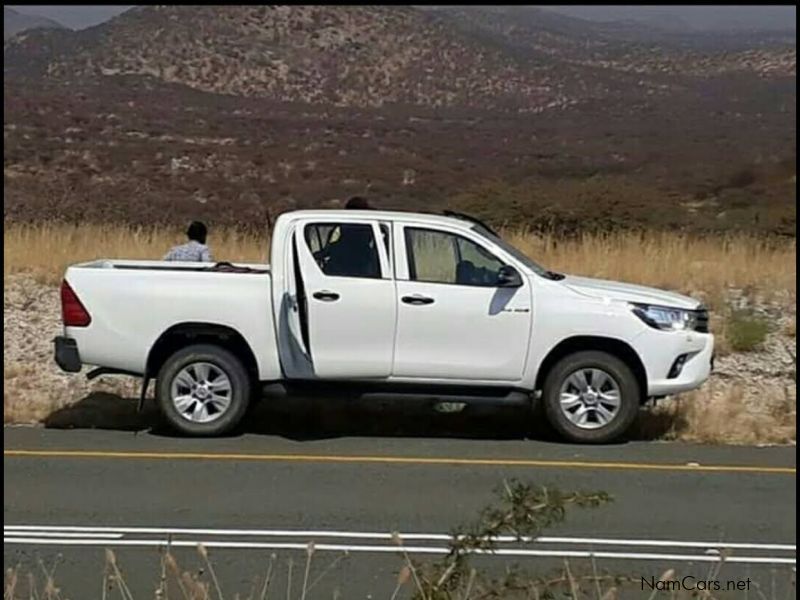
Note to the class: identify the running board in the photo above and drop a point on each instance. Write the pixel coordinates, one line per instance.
(514, 397)
(393, 392)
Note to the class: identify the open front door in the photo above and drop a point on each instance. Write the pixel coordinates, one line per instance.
(350, 296)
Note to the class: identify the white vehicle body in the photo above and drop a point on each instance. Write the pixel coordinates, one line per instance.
(391, 328)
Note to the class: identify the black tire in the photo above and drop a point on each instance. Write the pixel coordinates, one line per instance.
(629, 394)
(223, 360)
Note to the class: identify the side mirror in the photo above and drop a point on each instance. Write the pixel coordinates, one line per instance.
(508, 277)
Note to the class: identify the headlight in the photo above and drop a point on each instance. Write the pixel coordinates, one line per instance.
(665, 317)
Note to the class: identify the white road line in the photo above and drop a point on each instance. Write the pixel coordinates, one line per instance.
(388, 536)
(410, 549)
(665, 543)
(62, 534)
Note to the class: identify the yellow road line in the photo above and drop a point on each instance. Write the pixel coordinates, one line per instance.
(407, 460)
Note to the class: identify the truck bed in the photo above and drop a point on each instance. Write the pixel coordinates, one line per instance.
(132, 303)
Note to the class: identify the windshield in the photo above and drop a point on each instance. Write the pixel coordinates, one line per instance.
(515, 252)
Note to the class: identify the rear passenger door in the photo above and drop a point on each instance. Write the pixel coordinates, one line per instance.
(350, 297)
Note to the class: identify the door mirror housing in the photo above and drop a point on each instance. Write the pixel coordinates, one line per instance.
(508, 277)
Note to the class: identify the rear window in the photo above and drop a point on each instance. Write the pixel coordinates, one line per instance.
(344, 249)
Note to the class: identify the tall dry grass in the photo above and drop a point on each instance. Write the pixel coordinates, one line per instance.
(46, 250)
(700, 265)
(677, 261)
(722, 413)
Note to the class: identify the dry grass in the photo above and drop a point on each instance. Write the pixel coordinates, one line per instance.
(703, 266)
(17, 407)
(573, 581)
(791, 328)
(30, 396)
(46, 250)
(720, 413)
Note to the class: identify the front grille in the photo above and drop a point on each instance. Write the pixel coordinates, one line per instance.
(702, 320)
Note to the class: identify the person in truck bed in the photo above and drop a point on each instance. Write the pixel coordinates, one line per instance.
(195, 250)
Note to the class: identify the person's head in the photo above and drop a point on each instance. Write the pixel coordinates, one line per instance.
(197, 231)
(357, 203)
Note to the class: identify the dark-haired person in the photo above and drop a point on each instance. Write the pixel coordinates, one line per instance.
(195, 250)
(357, 203)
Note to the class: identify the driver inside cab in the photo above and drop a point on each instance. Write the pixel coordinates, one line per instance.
(352, 254)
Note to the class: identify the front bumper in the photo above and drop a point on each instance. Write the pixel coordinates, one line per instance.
(67, 355)
(696, 370)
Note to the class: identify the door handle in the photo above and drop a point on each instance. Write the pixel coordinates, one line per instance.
(417, 300)
(326, 296)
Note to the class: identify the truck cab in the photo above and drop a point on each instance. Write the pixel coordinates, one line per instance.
(397, 298)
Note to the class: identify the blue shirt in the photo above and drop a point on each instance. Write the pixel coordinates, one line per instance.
(192, 251)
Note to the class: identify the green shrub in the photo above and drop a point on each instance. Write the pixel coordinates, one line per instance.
(745, 331)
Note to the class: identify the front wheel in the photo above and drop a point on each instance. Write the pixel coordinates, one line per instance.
(203, 390)
(591, 397)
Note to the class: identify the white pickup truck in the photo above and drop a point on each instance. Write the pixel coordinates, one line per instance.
(378, 302)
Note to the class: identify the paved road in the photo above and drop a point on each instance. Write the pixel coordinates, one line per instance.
(75, 493)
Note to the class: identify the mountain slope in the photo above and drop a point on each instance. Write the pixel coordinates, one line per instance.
(346, 56)
(653, 49)
(491, 58)
(15, 22)
(235, 113)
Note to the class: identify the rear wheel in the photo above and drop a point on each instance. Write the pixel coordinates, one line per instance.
(203, 390)
(591, 397)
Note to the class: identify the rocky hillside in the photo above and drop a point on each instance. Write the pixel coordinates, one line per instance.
(363, 56)
(646, 49)
(234, 113)
(522, 58)
(15, 22)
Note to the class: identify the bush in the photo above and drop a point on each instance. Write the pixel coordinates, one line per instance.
(745, 331)
(742, 178)
(521, 511)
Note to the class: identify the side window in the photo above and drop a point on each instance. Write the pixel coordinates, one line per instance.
(440, 257)
(344, 249)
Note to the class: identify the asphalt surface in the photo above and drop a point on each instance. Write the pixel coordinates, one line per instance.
(70, 494)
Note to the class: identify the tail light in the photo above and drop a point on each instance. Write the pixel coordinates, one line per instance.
(73, 313)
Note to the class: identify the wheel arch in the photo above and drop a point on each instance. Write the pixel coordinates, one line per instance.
(184, 334)
(613, 346)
